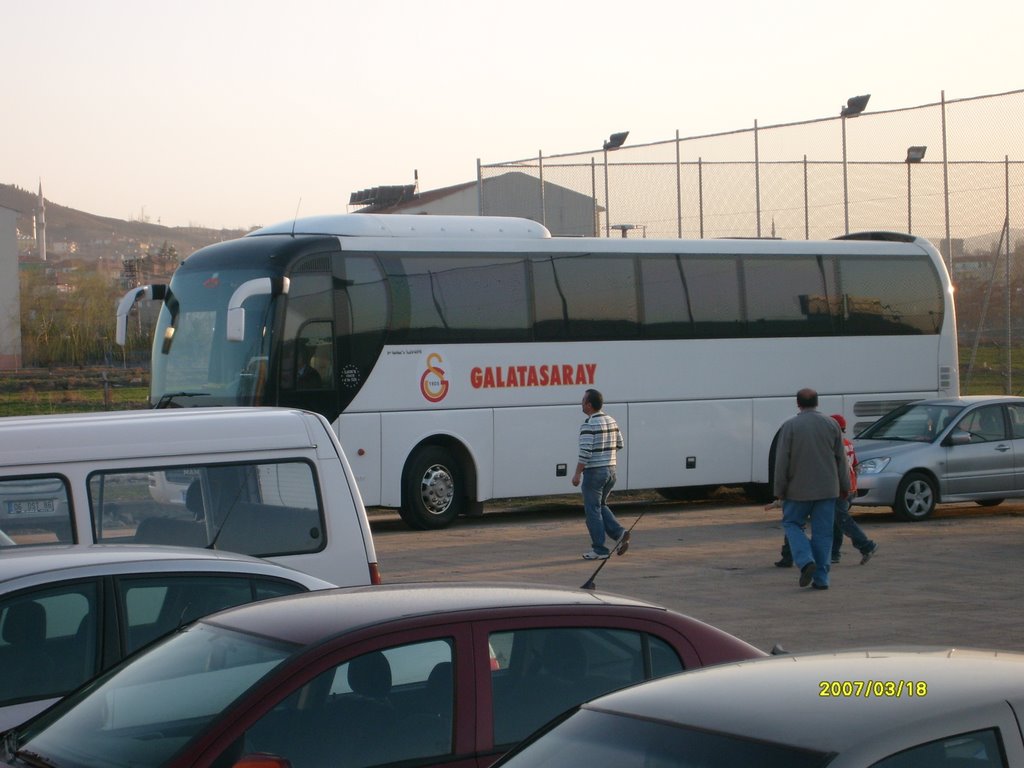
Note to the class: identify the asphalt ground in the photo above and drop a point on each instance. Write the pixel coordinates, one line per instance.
(954, 580)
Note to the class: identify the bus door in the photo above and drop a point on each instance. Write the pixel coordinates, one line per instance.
(307, 375)
(360, 319)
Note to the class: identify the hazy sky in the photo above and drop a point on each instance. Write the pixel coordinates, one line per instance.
(227, 113)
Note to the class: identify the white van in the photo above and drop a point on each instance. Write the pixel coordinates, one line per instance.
(269, 482)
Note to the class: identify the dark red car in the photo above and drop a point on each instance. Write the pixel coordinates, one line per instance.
(417, 674)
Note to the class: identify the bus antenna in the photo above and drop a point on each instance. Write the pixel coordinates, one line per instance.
(296, 217)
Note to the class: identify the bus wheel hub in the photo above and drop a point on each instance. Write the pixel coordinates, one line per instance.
(437, 489)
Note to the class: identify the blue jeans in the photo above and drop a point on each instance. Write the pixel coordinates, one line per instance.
(846, 524)
(821, 513)
(597, 484)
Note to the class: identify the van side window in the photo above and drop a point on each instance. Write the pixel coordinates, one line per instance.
(35, 510)
(260, 509)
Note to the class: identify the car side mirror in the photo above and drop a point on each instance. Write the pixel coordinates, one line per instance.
(958, 437)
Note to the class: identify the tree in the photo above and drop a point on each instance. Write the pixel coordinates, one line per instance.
(70, 322)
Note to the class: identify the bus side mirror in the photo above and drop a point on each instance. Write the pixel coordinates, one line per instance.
(261, 286)
(157, 292)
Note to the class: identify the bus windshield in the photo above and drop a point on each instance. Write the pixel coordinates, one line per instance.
(192, 357)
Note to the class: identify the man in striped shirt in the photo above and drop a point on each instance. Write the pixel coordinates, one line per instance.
(600, 439)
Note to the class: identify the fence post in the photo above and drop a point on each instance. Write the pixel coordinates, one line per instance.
(700, 193)
(479, 189)
(1009, 324)
(945, 187)
(807, 205)
(607, 203)
(540, 173)
(593, 195)
(846, 189)
(679, 191)
(757, 181)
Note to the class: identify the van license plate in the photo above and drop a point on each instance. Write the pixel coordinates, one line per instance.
(40, 507)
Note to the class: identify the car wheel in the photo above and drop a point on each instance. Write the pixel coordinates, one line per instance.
(915, 497)
(989, 502)
(433, 492)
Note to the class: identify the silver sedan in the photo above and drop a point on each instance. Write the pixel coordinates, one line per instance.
(68, 613)
(946, 450)
(950, 708)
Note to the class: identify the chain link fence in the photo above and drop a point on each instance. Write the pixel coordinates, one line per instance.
(819, 179)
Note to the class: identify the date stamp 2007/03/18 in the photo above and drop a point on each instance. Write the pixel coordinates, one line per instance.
(891, 689)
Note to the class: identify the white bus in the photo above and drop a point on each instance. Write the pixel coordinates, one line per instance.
(451, 353)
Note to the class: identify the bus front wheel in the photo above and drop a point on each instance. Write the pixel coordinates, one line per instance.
(433, 493)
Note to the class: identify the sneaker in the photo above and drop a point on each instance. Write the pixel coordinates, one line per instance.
(784, 563)
(865, 556)
(622, 543)
(835, 559)
(592, 555)
(807, 573)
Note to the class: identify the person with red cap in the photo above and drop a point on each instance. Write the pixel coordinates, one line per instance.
(845, 524)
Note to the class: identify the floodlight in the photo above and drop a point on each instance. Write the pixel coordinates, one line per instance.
(916, 154)
(616, 140)
(855, 105)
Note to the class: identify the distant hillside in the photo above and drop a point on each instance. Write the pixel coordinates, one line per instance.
(95, 236)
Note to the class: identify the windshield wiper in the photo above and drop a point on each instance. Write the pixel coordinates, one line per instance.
(10, 744)
(169, 397)
(34, 758)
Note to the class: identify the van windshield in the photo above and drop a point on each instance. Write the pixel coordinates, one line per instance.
(192, 357)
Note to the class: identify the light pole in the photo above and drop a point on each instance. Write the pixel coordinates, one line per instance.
(614, 141)
(915, 155)
(854, 106)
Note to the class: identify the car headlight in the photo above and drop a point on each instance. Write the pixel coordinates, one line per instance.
(873, 466)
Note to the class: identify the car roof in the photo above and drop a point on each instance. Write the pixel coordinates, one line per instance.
(336, 612)
(970, 400)
(777, 699)
(55, 438)
(57, 562)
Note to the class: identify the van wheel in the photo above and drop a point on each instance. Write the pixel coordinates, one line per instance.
(915, 497)
(433, 494)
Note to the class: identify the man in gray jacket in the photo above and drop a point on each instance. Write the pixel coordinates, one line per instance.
(810, 473)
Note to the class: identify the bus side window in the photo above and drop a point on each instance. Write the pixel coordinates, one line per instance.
(314, 356)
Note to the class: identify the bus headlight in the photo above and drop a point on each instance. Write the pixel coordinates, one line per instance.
(873, 466)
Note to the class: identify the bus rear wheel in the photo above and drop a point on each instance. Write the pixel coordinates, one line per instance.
(433, 493)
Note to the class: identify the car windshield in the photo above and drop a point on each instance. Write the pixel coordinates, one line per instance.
(151, 707)
(916, 422)
(602, 738)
